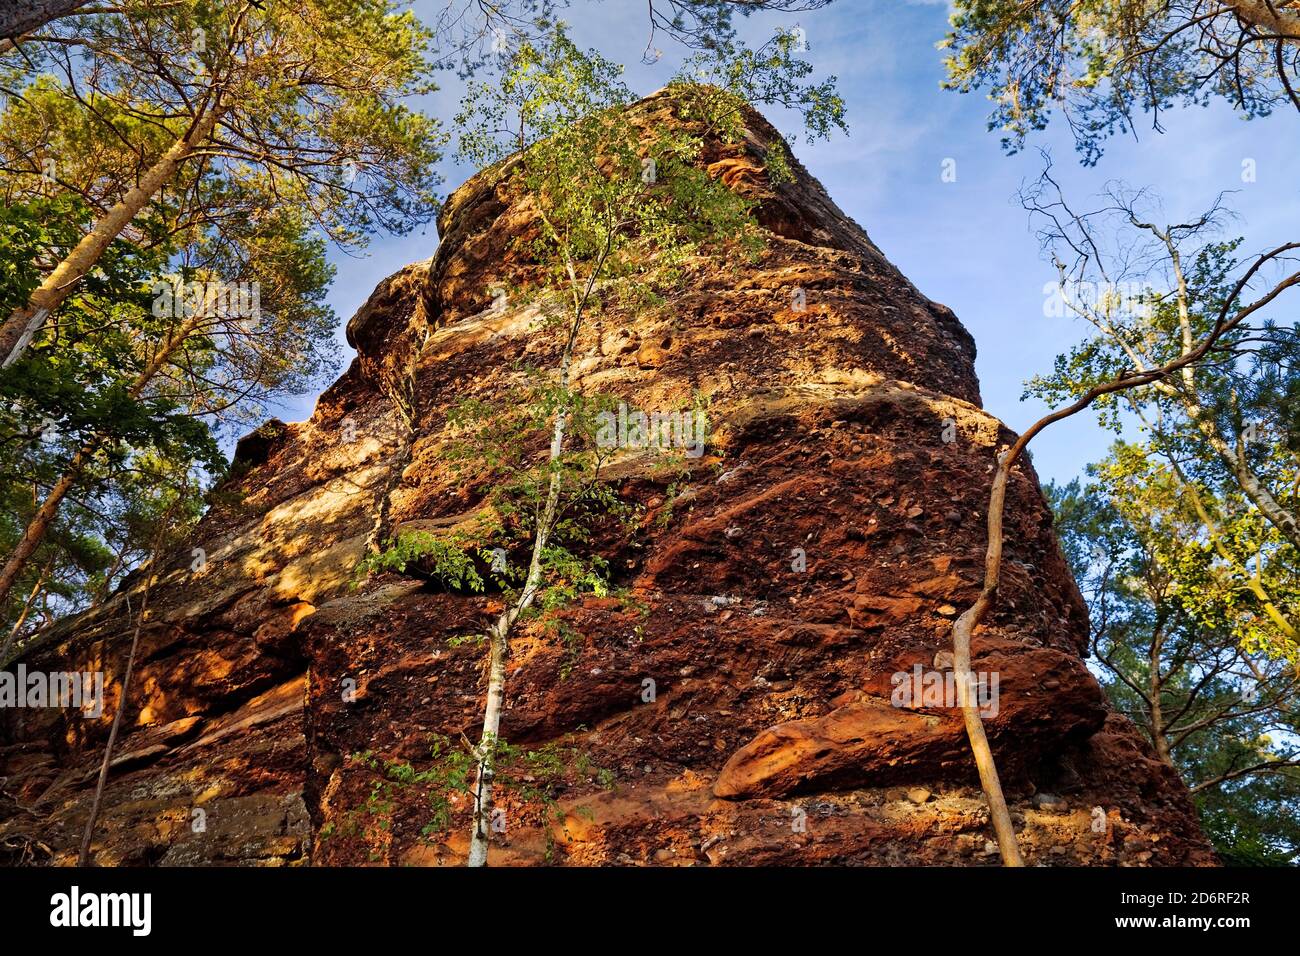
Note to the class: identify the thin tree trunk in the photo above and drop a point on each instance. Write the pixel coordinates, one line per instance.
(39, 525)
(22, 616)
(25, 321)
(1158, 735)
(101, 594)
(961, 636)
(965, 625)
(83, 858)
(485, 770)
(40, 522)
(1263, 499)
(1234, 460)
(402, 393)
(500, 636)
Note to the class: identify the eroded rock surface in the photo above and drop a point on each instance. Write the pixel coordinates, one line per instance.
(847, 437)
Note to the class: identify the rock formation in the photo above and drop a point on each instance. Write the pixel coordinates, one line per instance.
(822, 545)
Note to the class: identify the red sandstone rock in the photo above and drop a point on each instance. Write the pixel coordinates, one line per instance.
(771, 738)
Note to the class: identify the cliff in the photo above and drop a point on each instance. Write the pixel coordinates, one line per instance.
(774, 589)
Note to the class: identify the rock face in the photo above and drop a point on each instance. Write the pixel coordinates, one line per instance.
(778, 587)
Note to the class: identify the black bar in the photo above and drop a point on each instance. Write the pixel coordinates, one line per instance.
(641, 907)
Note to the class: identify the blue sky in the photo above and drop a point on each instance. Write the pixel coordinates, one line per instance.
(966, 243)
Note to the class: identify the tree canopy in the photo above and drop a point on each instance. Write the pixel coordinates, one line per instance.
(1103, 64)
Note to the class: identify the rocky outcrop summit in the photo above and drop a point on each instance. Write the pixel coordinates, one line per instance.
(772, 589)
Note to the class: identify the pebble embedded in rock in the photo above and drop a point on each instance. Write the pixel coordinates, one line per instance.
(1050, 802)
